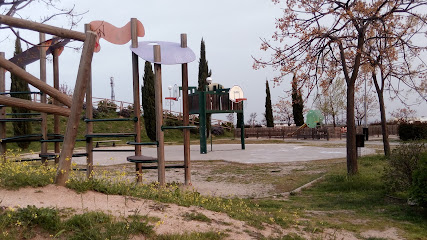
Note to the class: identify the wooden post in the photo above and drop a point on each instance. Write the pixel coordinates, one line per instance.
(159, 115)
(55, 102)
(74, 119)
(2, 112)
(43, 97)
(89, 124)
(186, 116)
(136, 94)
(44, 87)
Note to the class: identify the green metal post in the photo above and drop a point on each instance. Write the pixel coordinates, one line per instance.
(242, 131)
(202, 123)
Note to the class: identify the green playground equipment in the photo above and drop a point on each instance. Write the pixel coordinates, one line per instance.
(218, 101)
(314, 118)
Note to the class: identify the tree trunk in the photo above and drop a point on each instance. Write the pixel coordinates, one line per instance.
(352, 168)
(384, 129)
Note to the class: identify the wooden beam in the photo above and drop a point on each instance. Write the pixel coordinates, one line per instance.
(159, 116)
(40, 27)
(45, 88)
(186, 116)
(40, 107)
(89, 124)
(76, 109)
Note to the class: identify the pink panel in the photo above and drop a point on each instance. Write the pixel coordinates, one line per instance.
(114, 34)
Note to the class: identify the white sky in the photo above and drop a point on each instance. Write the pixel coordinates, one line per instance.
(231, 30)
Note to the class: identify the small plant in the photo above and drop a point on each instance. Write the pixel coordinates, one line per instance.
(196, 217)
(419, 184)
(14, 175)
(403, 162)
(126, 113)
(217, 130)
(106, 106)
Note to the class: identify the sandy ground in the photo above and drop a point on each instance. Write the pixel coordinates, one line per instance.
(171, 215)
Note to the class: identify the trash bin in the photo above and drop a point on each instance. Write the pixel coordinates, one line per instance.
(360, 140)
(366, 133)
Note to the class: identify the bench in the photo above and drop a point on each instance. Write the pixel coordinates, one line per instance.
(149, 160)
(106, 141)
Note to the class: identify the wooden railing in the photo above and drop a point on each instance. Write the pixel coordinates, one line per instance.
(331, 132)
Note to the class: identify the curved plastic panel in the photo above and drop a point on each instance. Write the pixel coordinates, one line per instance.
(172, 53)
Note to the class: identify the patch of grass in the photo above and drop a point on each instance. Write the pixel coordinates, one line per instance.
(14, 175)
(196, 217)
(353, 203)
(25, 223)
(193, 236)
(290, 236)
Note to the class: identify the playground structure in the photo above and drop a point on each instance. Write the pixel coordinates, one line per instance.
(72, 107)
(313, 120)
(218, 101)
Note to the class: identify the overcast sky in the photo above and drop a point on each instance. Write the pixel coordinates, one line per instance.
(231, 30)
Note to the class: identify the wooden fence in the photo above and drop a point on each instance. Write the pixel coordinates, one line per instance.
(307, 133)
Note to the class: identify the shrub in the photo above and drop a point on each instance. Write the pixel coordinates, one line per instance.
(217, 130)
(419, 182)
(403, 162)
(126, 113)
(414, 131)
(106, 106)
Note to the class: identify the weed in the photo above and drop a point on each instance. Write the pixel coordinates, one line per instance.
(193, 236)
(196, 217)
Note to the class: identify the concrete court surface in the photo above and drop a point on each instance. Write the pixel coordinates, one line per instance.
(254, 153)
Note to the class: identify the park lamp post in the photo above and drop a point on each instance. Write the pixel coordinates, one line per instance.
(170, 99)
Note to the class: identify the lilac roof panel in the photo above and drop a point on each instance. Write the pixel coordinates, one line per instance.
(172, 53)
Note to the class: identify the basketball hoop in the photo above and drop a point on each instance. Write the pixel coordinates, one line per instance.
(240, 99)
(171, 98)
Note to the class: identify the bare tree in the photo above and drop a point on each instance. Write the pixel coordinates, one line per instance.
(283, 111)
(252, 119)
(403, 114)
(371, 105)
(54, 9)
(322, 39)
(332, 100)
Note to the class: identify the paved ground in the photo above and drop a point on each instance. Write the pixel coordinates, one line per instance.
(254, 153)
(302, 150)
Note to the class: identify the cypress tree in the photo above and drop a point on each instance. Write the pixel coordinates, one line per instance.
(204, 73)
(203, 68)
(19, 85)
(268, 108)
(297, 103)
(148, 102)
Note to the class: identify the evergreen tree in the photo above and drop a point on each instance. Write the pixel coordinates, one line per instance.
(268, 108)
(148, 102)
(204, 72)
(297, 103)
(19, 85)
